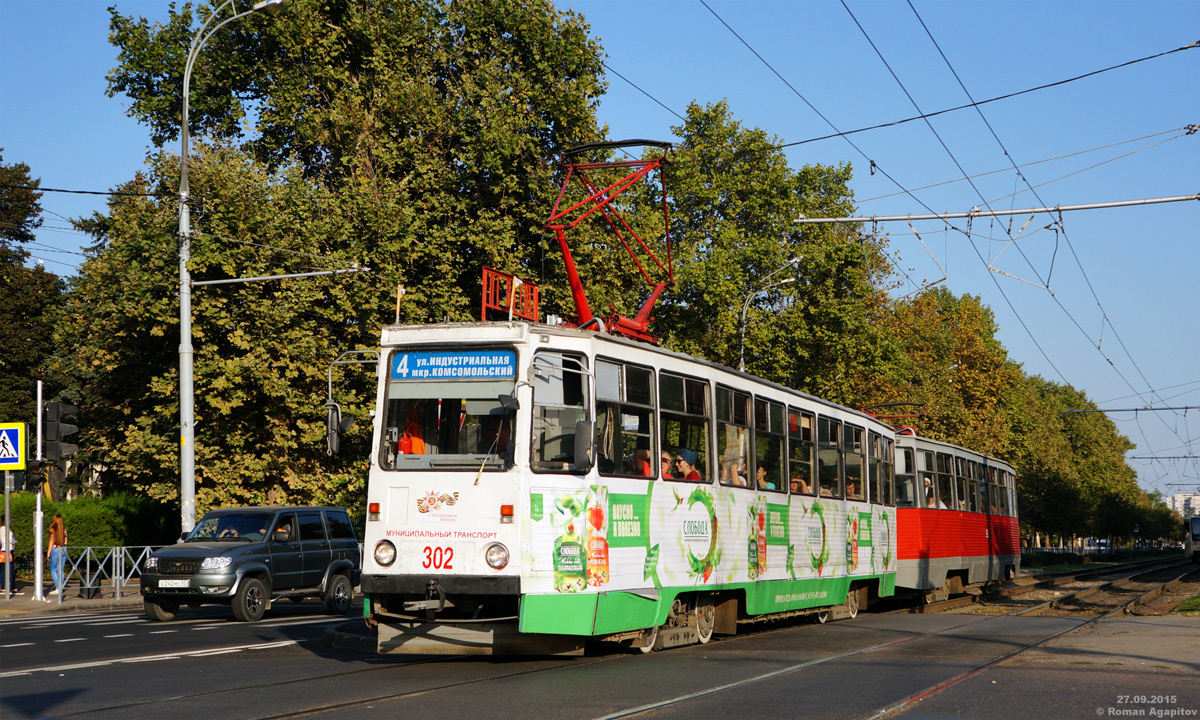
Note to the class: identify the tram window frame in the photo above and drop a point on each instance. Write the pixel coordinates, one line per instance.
(416, 414)
(802, 448)
(684, 417)
(854, 462)
(769, 444)
(962, 474)
(975, 472)
(928, 483)
(879, 479)
(829, 457)
(733, 436)
(906, 476)
(569, 387)
(889, 472)
(945, 481)
(625, 391)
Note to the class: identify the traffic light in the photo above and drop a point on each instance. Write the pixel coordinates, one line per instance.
(54, 430)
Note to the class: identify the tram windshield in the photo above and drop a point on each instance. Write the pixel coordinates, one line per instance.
(446, 410)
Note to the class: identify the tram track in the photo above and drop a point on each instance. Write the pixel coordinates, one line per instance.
(1047, 591)
(383, 676)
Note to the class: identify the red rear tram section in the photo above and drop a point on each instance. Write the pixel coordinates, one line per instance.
(956, 518)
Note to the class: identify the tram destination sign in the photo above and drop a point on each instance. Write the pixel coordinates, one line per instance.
(455, 365)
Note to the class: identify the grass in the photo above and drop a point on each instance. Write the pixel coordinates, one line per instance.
(1192, 604)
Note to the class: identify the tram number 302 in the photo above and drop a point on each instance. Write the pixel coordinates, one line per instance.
(438, 558)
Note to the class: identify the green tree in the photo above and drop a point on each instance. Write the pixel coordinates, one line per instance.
(26, 295)
(955, 368)
(732, 204)
(408, 137)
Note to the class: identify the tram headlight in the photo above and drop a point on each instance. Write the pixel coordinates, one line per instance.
(385, 552)
(496, 556)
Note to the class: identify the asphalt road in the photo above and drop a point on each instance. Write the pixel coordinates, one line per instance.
(119, 665)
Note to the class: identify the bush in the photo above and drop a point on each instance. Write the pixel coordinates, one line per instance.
(119, 519)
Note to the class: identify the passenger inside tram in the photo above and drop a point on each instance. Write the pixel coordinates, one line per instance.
(685, 464)
(798, 485)
(665, 462)
(761, 478)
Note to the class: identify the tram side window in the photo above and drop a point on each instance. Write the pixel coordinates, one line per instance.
(769, 456)
(733, 436)
(684, 433)
(625, 420)
(889, 472)
(829, 456)
(928, 479)
(853, 445)
(880, 469)
(961, 476)
(559, 404)
(985, 482)
(945, 481)
(801, 449)
(1012, 493)
(906, 479)
(976, 472)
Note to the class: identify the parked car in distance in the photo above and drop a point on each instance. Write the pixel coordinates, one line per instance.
(249, 557)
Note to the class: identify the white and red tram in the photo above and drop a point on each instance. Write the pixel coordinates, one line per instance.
(956, 517)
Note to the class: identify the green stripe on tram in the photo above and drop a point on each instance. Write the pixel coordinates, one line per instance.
(612, 612)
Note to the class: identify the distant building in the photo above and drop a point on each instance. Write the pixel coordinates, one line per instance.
(1186, 504)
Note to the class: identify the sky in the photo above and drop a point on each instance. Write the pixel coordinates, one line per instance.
(1102, 299)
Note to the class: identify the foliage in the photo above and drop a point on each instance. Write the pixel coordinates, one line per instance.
(954, 368)
(26, 295)
(404, 137)
(20, 209)
(414, 138)
(115, 520)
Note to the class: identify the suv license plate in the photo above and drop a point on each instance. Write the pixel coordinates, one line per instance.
(172, 583)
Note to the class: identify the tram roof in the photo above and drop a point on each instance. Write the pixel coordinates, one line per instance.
(510, 331)
(921, 439)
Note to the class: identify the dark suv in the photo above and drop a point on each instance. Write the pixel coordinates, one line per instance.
(248, 557)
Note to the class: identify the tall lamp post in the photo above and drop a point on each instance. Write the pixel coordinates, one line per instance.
(751, 296)
(187, 429)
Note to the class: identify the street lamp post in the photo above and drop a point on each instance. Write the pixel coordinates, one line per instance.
(746, 307)
(187, 430)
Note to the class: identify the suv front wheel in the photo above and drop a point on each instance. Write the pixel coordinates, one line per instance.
(338, 595)
(250, 603)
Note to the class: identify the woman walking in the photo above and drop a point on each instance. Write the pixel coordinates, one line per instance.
(57, 552)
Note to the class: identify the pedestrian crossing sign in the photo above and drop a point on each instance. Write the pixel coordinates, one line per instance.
(12, 446)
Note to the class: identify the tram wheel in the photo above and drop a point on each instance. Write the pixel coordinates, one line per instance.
(648, 640)
(705, 620)
(852, 603)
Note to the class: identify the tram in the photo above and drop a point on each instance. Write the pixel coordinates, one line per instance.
(535, 486)
(539, 483)
(1191, 538)
(956, 517)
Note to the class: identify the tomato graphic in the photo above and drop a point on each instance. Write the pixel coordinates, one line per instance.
(596, 517)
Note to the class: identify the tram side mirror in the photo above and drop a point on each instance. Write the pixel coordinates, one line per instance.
(336, 425)
(585, 444)
(509, 402)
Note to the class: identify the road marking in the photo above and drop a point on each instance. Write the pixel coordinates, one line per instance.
(16, 645)
(70, 640)
(119, 635)
(119, 622)
(152, 658)
(162, 632)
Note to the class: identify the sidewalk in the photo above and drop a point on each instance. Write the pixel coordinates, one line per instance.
(72, 601)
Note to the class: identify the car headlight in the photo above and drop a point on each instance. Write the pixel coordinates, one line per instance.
(385, 552)
(151, 563)
(496, 556)
(215, 563)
